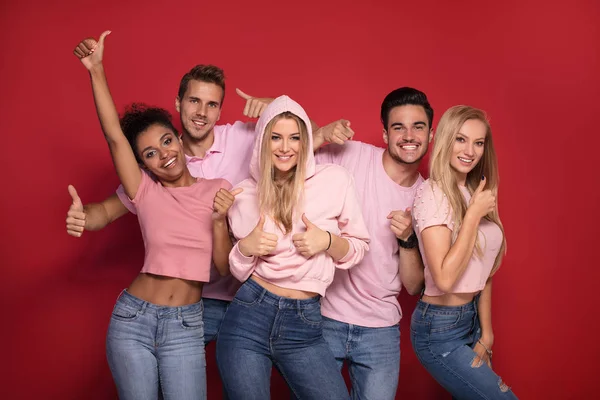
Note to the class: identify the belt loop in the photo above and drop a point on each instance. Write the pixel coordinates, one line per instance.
(143, 309)
(179, 313)
(425, 309)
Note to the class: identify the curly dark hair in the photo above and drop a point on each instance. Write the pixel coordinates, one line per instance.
(138, 117)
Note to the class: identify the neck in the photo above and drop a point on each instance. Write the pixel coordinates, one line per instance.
(403, 174)
(186, 179)
(461, 179)
(198, 147)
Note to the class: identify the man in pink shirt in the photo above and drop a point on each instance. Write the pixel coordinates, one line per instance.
(360, 308)
(212, 151)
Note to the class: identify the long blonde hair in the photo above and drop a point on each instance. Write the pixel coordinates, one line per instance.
(279, 199)
(444, 175)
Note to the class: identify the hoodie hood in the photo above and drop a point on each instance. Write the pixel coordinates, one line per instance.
(278, 106)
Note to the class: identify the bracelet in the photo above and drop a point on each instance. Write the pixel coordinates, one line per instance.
(329, 233)
(409, 243)
(488, 351)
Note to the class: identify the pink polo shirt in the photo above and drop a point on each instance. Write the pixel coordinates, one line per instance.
(366, 295)
(432, 208)
(228, 158)
(176, 225)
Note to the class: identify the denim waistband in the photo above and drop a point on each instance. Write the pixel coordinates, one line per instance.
(127, 298)
(427, 308)
(280, 301)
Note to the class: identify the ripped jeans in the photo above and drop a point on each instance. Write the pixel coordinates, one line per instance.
(443, 339)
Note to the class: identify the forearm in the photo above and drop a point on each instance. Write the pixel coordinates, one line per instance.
(222, 246)
(411, 269)
(339, 247)
(98, 215)
(484, 309)
(318, 138)
(107, 112)
(456, 261)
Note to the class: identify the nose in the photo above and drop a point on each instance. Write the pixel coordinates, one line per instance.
(409, 135)
(285, 146)
(470, 149)
(201, 110)
(163, 153)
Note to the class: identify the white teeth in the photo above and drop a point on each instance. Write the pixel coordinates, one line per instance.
(409, 147)
(284, 158)
(199, 123)
(465, 160)
(168, 163)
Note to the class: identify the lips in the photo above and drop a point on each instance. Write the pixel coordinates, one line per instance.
(170, 163)
(466, 160)
(199, 123)
(409, 146)
(283, 158)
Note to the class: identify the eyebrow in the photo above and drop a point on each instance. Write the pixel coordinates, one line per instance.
(279, 134)
(466, 137)
(161, 138)
(401, 124)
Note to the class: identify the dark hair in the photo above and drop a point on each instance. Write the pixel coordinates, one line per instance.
(203, 73)
(401, 97)
(138, 117)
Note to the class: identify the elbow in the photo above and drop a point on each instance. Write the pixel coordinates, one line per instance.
(413, 289)
(223, 271)
(445, 285)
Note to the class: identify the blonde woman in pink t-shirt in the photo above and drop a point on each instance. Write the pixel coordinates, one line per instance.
(155, 341)
(295, 223)
(462, 242)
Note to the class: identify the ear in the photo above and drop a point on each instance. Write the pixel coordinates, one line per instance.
(179, 136)
(385, 136)
(219, 116)
(430, 135)
(178, 104)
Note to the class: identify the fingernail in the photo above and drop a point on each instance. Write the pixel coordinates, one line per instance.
(482, 177)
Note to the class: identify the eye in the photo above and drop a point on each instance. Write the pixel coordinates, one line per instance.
(194, 101)
(480, 144)
(213, 105)
(460, 139)
(274, 137)
(399, 128)
(419, 127)
(150, 154)
(167, 141)
(296, 137)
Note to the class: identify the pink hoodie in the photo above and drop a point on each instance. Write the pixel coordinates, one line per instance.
(329, 201)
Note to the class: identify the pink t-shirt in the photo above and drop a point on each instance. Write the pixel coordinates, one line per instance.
(176, 225)
(228, 158)
(366, 295)
(432, 208)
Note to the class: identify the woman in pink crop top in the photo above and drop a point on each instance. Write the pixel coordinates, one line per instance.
(462, 243)
(156, 329)
(295, 223)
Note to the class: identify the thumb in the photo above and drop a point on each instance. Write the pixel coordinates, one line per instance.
(237, 191)
(407, 211)
(481, 185)
(346, 123)
(390, 215)
(261, 223)
(306, 221)
(76, 200)
(242, 94)
(102, 36)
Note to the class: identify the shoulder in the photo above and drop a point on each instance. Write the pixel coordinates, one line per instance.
(333, 173)
(236, 127)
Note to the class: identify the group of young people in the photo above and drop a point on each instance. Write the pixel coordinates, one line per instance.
(288, 244)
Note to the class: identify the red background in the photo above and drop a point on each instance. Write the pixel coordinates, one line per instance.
(532, 65)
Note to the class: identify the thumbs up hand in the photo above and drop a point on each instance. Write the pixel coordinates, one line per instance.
(311, 242)
(75, 215)
(258, 242)
(223, 201)
(401, 223)
(90, 51)
(482, 202)
(254, 105)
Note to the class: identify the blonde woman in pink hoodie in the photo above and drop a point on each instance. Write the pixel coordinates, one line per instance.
(295, 223)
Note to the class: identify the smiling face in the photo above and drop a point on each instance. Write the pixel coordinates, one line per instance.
(200, 109)
(161, 152)
(408, 134)
(468, 148)
(285, 145)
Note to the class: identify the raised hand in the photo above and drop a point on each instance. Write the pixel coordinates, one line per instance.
(258, 242)
(223, 201)
(90, 51)
(254, 105)
(75, 215)
(482, 202)
(401, 223)
(337, 132)
(311, 242)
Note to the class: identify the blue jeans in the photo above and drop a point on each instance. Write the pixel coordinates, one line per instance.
(372, 354)
(443, 338)
(150, 346)
(214, 312)
(262, 329)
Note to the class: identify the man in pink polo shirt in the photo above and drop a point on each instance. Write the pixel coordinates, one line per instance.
(212, 151)
(360, 308)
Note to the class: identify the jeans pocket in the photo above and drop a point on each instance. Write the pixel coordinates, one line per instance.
(126, 313)
(246, 296)
(191, 320)
(444, 322)
(311, 315)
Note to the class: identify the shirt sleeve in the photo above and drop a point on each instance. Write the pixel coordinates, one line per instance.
(125, 200)
(352, 228)
(240, 266)
(142, 189)
(431, 208)
(345, 155)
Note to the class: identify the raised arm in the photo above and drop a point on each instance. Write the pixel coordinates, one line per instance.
(410, 264)
(90, 53)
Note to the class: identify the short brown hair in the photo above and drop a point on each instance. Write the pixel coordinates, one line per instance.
(203, 73)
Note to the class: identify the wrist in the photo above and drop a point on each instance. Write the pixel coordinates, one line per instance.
(220, 222)
(411, 242)
(97, 69)
(328, 240)
(242, 248)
